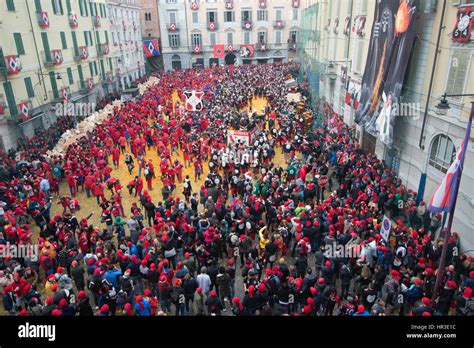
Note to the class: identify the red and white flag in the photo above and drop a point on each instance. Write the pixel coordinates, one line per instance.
(445, 195)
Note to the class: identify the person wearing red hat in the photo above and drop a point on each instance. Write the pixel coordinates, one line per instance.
(214, 304)
(142, 307)
(464, 303)
(446, 296)
(84, 307)
(423, 307)
(361, 312)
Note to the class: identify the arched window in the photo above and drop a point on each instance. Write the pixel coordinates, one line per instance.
(442, 152)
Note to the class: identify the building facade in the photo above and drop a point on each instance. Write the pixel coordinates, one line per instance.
(334, 61)
(149, 19)
(127, 45)
(61, 51)
(191, 29)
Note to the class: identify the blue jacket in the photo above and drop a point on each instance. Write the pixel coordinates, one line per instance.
(112, 276)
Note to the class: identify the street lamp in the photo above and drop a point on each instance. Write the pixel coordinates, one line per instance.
(443, 106)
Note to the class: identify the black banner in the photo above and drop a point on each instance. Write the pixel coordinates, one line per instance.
(243, 331)
(391, 43)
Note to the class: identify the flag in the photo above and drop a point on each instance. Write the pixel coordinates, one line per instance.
(246, 51)
(218, 51)
(151, 48)
(444, 197)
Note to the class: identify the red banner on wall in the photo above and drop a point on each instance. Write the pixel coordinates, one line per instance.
(463, 28)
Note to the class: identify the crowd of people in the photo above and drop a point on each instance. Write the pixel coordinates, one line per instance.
(258, 237)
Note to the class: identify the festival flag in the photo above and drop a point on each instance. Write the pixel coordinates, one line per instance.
(247, 51)
(445, 195)
(151, 48)
(218, 51)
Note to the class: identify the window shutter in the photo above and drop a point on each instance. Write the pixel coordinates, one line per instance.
(10, 5)
(19, 43)
(81, 75)
(106, 36)
(29, 87)
(54, 86)
(102, 66)
(458, 72)
(7, 86)
(68, 6)
(38, 5)
(47, 51)
(74, 43)
(63, 39)
(69, 76)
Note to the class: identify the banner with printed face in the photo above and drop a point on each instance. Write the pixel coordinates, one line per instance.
(391, 43)
(235, 136)
(386, 228)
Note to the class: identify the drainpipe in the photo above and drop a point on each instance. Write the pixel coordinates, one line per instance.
(41, 75)
(422, 184)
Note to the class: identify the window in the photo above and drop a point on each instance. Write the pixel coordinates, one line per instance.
(212, 39)
(363, 7)
(442, 152)
(195, 17)
(63, 39)
(278, 14)
(294, 35)
(111, 66)
(83, 7)
(196, 39)
(38, 5)
(29, 87)
(93, 9)
(246, 15)
(278, 37)
(295, 14)
(229, 16)
(81, 76)
(54, 85)
(230, 38)
(211, 16)
(172, 16)
(58, 7)
(262, 37)
(102, 68)
(246, 37)
(174, 40)
(88, 38)
(7, 86)
(74, 43)
(10, 7)
(47, 51)
(359, 58)
(171, 1)
(458, 71)
(261, 15)
(70, 76)
(106, 36)
(68, 6)
(20, 49)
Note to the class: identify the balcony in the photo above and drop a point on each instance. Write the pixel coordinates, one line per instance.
(43, 19)
(84, 52)
(47, 59)
(172, 27)
(212, 26)
(97, 22)
(76, 54)
(197, 49)
(102, 49)
(279, 24)
(262, 46)
(247, 25)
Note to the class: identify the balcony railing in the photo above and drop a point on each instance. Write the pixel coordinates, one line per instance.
(279, 24)
(76, 54)
(102, 49)
(212, 26)
(172, 27)
(247, 25)
(262, 46)
(47, 58)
